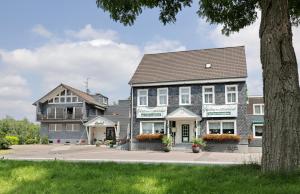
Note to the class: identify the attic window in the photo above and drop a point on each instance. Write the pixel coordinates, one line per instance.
(207, 65)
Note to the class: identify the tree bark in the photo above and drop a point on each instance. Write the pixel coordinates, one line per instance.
(281, 136)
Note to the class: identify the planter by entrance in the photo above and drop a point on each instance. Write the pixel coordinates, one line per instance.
(196, 149)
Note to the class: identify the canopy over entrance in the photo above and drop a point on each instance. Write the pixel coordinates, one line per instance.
(182, 113)
(100, 122)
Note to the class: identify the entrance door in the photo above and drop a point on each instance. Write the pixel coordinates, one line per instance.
(110, 133)
(185, 131)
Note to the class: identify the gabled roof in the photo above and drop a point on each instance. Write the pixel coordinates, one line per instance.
(99, 121)
(85, 96)
(182, 113)
(229, 62)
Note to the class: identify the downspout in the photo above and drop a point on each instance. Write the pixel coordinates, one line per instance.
(131, 119)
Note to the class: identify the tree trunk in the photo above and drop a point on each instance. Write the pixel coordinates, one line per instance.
(281, 137)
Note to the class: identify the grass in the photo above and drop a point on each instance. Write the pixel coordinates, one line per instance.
(62, 177)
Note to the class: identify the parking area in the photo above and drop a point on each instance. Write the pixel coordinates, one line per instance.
(100, 154)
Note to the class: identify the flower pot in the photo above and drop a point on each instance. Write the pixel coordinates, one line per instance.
(196, 149)
(167, 148)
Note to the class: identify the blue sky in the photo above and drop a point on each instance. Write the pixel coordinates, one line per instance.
(44, 43)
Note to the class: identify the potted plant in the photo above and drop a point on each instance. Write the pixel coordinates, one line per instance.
(167, 143)
(98, 143)
(198, 144)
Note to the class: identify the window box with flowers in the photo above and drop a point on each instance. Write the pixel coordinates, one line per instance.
(149, 137)
(222, 138)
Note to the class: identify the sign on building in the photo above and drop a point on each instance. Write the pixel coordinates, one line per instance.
(228, 110)
(151, 112)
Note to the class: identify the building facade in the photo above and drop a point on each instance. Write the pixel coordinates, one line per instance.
(190, 94)
(68, 115)
(255, 120)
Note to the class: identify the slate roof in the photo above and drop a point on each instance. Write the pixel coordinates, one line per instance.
(229, 62)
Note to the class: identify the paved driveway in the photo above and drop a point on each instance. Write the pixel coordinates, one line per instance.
(94, 154)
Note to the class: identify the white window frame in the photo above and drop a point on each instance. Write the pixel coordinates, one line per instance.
(236, 94)
(49, 127)
(180, 93)
(156, 121)
(138, 97)
(221, 125)
(203, 94)
(65, 97)
(158, 97)
(260, 109)
(253, 129)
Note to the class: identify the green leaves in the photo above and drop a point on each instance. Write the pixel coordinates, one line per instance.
(232, 14)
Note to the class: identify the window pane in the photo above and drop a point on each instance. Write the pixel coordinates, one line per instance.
(185, 90)
(63, 93)
(62, 100)
(231, 89)
(262, 109)
(56, 100)
(162, 92)
(228, 127)
(74, 99)
(159, 128)
(207, 90)
(214, 128)
(143, 100)
(51, 127)
(257, 109)
(258, 131)
(185, 99)
(146, 127)
(162, 100)
(68, 99)
(59, 127)
(142, 92)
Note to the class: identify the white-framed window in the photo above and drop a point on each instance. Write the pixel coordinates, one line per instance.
(257, 130)
(184, 95)
(221, 127)
(231, 94)
(258, 109)
(142, 97)
(65, 97)
(52, 127)
(208, 94)
(152, 127)
(162, 96)
(73, 127)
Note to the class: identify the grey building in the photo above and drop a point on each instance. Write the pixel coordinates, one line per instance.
(255, 120)
(68, 115)
(190, 94)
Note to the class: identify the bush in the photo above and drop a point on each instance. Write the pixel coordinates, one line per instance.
(167, 141)
(44, 140)
(220, 138)
(145, 137)
(4, 144)
(31, 141)
(12, 140)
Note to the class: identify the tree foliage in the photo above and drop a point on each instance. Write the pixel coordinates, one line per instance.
(23, 129)
(232, 14)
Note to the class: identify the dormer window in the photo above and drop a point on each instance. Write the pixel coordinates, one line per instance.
(207, 65)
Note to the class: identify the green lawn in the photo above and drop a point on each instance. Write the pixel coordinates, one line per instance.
(61, 177)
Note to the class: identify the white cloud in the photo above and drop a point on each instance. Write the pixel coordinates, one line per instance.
(163, 45)
(90, 33)
(13, 86)
(108, 64)
(249, 37)
(42, 31)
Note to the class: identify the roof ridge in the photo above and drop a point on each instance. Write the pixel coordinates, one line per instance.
(194, 50)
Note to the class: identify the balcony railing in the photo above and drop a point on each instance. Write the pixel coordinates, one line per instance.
(59, 116)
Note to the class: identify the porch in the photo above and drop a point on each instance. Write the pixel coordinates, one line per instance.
(101, 129)
(184, 125)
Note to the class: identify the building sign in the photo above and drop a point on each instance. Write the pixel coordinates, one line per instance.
(151, 112)
(228, 110)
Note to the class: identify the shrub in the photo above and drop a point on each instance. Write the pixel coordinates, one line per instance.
(145, 137)
(31, 141)
(44, 140)
(167, 141)
(12, 140)
(198, 142)
(4, 144)
(221, 138)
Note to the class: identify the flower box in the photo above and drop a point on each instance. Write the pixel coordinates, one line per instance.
(149, 137)
(221, 138)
